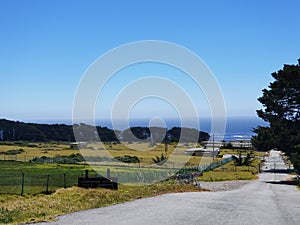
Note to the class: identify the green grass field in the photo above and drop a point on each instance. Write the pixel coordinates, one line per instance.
(231, 172)
(34, 205)
(33, 178)
(36, 173)
(97, 150)
(37, 176)
(244, 152)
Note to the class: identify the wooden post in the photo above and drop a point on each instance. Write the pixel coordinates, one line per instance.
(65, 181)
(23, 182)
(108, 173)
(47, 184)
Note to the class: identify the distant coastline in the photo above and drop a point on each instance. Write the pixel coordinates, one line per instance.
(237, 128)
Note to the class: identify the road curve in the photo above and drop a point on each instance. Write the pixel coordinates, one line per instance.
(264, 201)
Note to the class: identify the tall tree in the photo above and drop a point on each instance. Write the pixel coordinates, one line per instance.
(281, 102)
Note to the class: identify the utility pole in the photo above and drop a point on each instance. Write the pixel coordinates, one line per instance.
(213, 156)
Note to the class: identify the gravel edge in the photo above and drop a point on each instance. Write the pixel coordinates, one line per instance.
(223, 185)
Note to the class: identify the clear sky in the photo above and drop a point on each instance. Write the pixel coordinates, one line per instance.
(46, 46)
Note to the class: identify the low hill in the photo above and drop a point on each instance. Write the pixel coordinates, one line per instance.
(20, 131)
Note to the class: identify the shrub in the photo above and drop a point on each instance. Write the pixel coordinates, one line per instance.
(13, 152)
(71, 159)
(160, 160)
(128, 159)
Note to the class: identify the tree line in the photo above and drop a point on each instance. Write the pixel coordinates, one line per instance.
(33, 132)
(281, 109)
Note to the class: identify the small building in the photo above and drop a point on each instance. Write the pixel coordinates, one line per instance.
(203, 151)
(246, 144)
(210, 144)
(241, 144)
(77, 145)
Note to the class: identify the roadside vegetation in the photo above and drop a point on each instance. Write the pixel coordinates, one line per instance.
(16, 209)
(236, 151)
(281, 109)
(231, 171)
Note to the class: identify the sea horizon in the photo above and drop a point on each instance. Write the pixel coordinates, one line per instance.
(237, 128)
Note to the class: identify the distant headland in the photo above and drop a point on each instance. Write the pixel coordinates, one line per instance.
(35, 132)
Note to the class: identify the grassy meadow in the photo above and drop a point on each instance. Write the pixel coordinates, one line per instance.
(23, 209)
(143, 151)
(35, 205)
(46, 177)
(126, 171)
(230, 171)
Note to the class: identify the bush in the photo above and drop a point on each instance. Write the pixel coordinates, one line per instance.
(13, 152)
(128, 159)
(229, 146)
(160, 160)
(295, 159)
(71, 159)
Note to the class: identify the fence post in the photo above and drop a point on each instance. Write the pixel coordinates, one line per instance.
(65, 181)
(47, 184)
(23, 182)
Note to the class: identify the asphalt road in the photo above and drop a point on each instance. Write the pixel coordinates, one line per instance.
(263, 201)
(274, 162)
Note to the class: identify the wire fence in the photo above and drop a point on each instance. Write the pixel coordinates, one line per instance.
(20, 183)
(206, 167)
(17, 158)
(26, 183)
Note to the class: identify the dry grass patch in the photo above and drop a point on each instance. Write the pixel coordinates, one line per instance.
(20, 209)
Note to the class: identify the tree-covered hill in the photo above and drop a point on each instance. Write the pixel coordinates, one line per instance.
(20, 131)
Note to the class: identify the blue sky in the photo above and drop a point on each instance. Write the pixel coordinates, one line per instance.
(46, 46)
